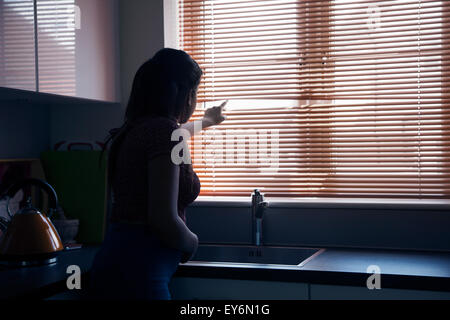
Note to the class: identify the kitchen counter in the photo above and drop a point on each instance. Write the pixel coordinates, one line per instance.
(399, 269)
(38, 282)
(347, 267)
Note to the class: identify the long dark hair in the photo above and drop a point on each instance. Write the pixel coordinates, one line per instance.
(161, 87)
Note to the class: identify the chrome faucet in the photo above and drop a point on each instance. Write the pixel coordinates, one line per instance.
(258, 206)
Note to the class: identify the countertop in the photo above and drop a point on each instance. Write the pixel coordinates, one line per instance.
(399, 269)
(348, 267)
(43, 281)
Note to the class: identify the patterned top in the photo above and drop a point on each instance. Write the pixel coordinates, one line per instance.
(147, 138)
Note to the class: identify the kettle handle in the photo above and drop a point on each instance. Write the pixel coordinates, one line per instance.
(53, 197)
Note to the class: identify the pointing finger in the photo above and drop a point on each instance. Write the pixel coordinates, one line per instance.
(223, 104)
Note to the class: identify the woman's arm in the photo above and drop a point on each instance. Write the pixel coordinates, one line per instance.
(163, 219)
(212, 117)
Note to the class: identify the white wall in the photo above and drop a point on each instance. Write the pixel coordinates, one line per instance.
(32, 122)
(141, 36)
(97, 50)
(83, 121)
(171, 25)
(24, 128)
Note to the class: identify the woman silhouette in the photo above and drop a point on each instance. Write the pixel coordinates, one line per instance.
(148, 236)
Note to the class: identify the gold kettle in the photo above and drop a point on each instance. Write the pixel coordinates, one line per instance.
(29, 234)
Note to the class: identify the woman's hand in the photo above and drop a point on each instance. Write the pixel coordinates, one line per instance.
(214, 116)
(163, 218)
(185, 257)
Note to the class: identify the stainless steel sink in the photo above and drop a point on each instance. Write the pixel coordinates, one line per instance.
(254, 254)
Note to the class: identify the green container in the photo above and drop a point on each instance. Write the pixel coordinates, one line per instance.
(80, 182)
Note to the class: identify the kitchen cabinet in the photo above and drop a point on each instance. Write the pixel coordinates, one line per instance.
(334, 292)
(186, 288)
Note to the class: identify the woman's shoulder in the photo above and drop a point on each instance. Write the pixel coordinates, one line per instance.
(158, 126)
(154, 123)
(154, 133)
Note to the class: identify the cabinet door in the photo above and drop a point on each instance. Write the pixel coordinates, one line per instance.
(329, 292)
(183, 288)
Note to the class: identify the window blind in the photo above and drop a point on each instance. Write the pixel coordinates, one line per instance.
(336, 98)
(17, 44)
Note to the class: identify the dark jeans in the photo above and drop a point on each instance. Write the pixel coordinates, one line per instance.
(132, 265)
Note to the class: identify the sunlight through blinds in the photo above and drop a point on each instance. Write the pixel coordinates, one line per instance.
(366, 94)
(17, 44)
(56, 43)
(38, 55)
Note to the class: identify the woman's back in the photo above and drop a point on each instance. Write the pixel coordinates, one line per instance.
(133, 263)
(148, 138)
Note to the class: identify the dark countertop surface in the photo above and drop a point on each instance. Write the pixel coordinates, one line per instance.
(348, 267)
(399, 269)
(43, 281)
(424, 264)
